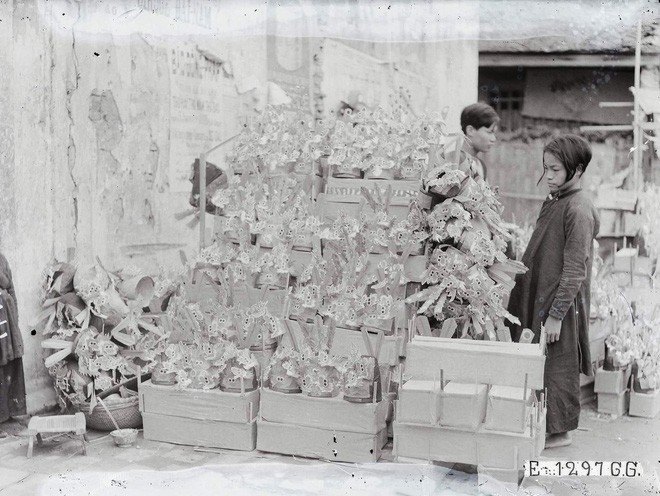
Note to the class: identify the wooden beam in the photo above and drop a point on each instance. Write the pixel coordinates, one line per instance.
(522, 196)
(646, 126)
(491, 59)
(615, 104)
(608, 128)
(637, 132)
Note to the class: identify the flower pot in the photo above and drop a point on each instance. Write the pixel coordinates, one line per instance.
(303, 242)
(477, 229)
(306, 314)
(231, 383)
(428, 200)
(409, 172)
(267, 241)
(320, 381)
(309, 167)
(418, 249)
(380, 174)
(161, 376)
(137, 288)
(279, 380)
(224, 225)
(124, 438)
(346, 172)
(273, 279)
(368, 387)
(385, 325)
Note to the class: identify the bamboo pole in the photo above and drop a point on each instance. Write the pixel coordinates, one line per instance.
(637, 134)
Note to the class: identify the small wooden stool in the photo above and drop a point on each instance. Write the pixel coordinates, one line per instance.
(57, 423)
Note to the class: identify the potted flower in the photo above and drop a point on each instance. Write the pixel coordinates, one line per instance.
(240, 372)
(362, 381)
(320, 371)
(283, 371)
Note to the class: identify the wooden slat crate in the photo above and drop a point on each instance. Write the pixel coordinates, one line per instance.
(198, 417)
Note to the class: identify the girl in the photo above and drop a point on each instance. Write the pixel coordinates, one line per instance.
(12, 384)
(555, 290)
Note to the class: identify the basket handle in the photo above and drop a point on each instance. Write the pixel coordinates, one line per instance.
(108, 412)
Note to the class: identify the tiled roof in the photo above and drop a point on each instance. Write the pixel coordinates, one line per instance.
(577, 27)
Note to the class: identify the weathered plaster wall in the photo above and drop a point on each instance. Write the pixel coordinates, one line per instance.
(86, 131)
(85, 140)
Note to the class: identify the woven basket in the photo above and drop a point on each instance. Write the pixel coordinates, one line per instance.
(126, 413)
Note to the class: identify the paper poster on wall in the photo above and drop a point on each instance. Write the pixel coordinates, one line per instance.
(204, 109)
(347, 70)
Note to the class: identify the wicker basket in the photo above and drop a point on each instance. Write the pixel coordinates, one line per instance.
(125, 411)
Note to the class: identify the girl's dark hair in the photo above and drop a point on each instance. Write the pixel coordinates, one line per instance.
(573, 151)
(478, 115)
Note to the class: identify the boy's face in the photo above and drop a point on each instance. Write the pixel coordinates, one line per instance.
(556, 173)
(483, 138)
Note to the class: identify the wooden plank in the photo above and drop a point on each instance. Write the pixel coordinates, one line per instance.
(434, 443)
(561, 60)
(330, 206)
(324, 444)
(450, 445)
(471, 362)
(414, 266)
(346, 341)
(202, 404)
(246, 295)
(338, 186)
(511, 347)
(195, 432)
(323, 413)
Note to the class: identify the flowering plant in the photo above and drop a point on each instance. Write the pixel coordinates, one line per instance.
(649, 207)
(99, 324)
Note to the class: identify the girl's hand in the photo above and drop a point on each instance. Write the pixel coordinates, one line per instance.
(552, 330)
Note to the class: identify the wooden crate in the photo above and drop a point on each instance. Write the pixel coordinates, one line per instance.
(323, 413)
(612, 381)
(614, 403)
(486, 362)
(419, 402)
(353, 187)
(195, 432)
(330, 206)
(198, 417)
(463, 405)
(645, 404)
(508, 408)
(451, 445)
(324, 444)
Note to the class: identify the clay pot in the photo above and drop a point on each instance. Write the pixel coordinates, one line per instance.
(321, 381)
(382, 174)
(280, 381)
(273, 279)
(302, 242)
(161, 376)
(346, 172)
(232, 384)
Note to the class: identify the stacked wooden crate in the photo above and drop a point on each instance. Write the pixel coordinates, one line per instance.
(471, 402)
(613, 391)
(199, 417)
